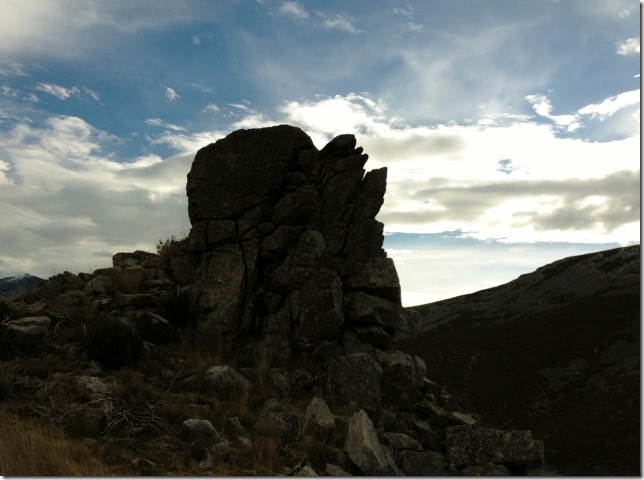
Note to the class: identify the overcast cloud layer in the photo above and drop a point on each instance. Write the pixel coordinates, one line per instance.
(510, 124)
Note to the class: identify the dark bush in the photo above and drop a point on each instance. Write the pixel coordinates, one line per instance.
(155, 330)
(5, 310)
(179, 309)
(113, 342)
(7, 350)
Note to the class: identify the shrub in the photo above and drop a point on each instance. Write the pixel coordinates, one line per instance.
(178, 309)
(113, 342)
(5, 310)
(166, 248)
(7, 349)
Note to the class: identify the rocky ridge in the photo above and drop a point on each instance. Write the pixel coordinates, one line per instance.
(283, 277)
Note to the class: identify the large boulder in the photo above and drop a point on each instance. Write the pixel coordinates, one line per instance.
(354, 379)
(28, 332)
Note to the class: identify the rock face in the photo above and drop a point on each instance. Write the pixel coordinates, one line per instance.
(285, 246)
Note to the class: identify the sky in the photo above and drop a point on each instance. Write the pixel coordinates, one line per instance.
(510, 129)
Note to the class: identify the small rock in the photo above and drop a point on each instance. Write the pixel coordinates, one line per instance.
(200, 432)
(220, 449)
(464, 418)
(244, 445)
(400, 441)
(318, 414)
(144, 467)
(335, 471)
(234, 425)
(93, 384)
(306, 471)
(226, 380)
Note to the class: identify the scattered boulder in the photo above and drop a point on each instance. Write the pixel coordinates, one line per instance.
(28, 332)
(472, 445)
(319, 415)
(363, 447)
(226, 380)
(200, 433)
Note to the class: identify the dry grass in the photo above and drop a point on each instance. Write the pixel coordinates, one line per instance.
(7, 379)
(28, 448)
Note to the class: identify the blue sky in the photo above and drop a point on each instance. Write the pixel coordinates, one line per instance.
(511, 130)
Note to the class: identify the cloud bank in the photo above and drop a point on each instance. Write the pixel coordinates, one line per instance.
(66, 194)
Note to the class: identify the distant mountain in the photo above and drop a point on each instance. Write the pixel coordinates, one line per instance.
(607, 273)
(556, 351)
(13, 286)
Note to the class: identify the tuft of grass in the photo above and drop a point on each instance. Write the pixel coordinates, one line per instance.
(29, 448)
(7, 379)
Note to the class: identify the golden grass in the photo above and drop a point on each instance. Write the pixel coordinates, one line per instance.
(28, 448)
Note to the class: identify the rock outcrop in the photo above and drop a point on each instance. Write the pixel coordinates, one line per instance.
(285, 247)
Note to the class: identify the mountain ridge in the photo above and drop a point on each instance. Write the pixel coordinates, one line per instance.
(609, 271)
(12, 286)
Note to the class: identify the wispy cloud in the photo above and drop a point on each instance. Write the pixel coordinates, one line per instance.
(339, 22)
(62, 93)
(293, 9)
(171, 94)
(157, 122)
(212, 107)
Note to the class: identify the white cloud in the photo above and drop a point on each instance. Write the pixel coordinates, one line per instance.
(511, 178)
(611, 105)
(62, 93)
(212, 107)
(157, 122)
(542, 106)
(544, 199)
(294, 9)
(68, 201)
(630, 46)
(339, 22)
(171, 94)
(196, 39)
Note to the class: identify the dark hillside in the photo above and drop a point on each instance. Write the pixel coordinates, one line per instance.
(566, 367)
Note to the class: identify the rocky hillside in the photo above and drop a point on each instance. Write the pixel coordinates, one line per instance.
(263, 343)
(570, 280)
(15, 285)
(558, 350)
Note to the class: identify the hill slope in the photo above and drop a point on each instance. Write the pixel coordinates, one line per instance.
(16, 285)
(556, 351)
